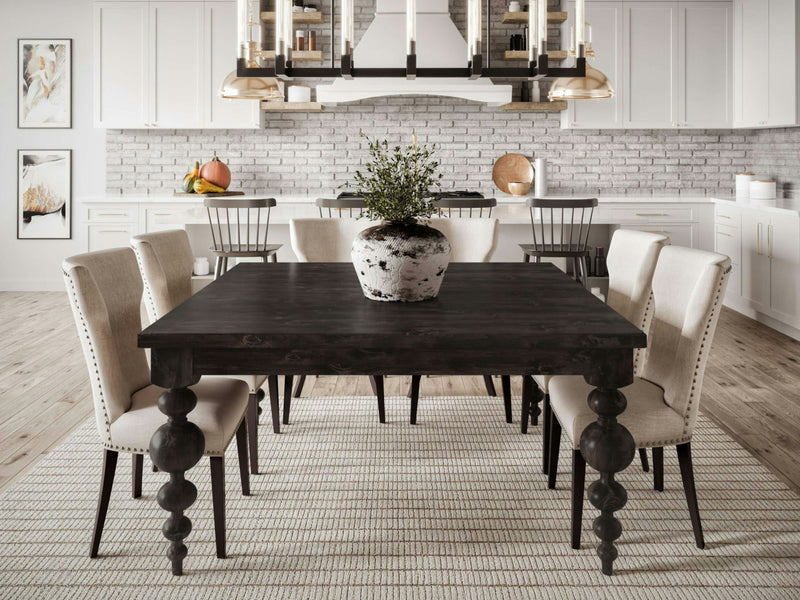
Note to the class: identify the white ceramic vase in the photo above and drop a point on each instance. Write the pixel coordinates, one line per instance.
(404, 263)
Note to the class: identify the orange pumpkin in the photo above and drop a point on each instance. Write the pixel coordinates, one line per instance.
(217, 172)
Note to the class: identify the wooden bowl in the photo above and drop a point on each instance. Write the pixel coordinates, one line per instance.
(512, 168)
(519, 188)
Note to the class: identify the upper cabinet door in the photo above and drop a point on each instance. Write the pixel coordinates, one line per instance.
(705, 64)
(752, 74)
(120, 65)
(605, 19)
(221, 49)
(177, 96)
(782, 63)
(650, 59)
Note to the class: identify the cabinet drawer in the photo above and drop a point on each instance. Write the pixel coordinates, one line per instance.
(159, 219)
(113, 214)
(103, 236)
(727, 215)
(655, 214)
(728, 241)
(679, 235)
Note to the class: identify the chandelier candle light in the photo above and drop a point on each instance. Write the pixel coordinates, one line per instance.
(411, 34)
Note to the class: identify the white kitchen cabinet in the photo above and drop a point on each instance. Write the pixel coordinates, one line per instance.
(159, 64)
(176, 54)
(783, 250)
(766, 63)
(103, 236)
(605, 19)
(755, 262)
(650, 64)
(121, 54)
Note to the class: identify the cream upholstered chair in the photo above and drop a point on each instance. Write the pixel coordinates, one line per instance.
(631, 261)
(688, 286)
(328, 240)
(165, 262)
(105, 291)
(471, 240)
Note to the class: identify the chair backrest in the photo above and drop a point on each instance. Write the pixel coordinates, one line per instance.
(325, 240)
(563, 222)
(688, 286)
(465, 208)
(346, 207)
(239, 224)
(105, 291)
(471, 240)
(166, 264)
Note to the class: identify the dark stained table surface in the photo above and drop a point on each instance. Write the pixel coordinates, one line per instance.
(321, 304)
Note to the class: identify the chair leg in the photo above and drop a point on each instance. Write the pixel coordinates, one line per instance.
(218, 500)
(273, 257)
(252, 431)
(506, 381)
(578, 483)
(298, 388)
(526, 257)
(525, 405)
(377, 388)
(106, 483)
(241, 448)
(287, 397)
(643, 458)
(487, 381)
(687, 475)
(274, 402)
(584, 261)
(415, 381)
(555, 442)
(658, 469)
(224, 265)
(547, 415)
(218, 268)
(136, 478)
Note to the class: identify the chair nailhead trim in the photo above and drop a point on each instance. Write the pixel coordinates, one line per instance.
(151, 305)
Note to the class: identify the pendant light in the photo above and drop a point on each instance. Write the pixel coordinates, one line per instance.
(248, 88)
(595, 85)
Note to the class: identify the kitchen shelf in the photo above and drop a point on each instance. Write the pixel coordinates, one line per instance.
(552, 55)
(299, 55)
(303, 18)
(291, 106)
(556, 106)
(521, 18)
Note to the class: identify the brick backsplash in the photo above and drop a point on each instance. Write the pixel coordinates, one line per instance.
(314, 153)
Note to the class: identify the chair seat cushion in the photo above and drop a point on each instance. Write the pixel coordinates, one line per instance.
(221, 405)
(649, 419)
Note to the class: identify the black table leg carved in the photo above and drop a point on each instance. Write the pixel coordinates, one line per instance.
(532, 395)
(176, 447)
(608, 447)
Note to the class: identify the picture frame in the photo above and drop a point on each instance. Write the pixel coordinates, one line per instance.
(44, 194)
(44, 83)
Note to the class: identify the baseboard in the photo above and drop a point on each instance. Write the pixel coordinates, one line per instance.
(32, 285)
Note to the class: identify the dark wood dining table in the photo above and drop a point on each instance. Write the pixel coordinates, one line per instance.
(312, 319)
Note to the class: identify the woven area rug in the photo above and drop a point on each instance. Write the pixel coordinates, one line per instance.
(454, 507)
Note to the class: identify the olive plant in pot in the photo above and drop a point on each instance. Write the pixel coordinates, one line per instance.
(401, 259)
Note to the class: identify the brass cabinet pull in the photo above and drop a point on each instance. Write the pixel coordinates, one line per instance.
(163, 214)
(655, 230)
(769, 241)
(652, 214)
(723, 216)
(758, 239)
(723, 233)
(113, 231)
(113, 214)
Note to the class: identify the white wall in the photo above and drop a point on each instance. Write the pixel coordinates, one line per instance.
(36, 264)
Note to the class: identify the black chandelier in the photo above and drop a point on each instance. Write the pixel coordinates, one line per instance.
(538, 67)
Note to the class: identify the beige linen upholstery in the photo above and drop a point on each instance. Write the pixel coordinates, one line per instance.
(471, 240)
(631, 261)
(325, 240)
(105, 291)
(688, 286)
(166, 263)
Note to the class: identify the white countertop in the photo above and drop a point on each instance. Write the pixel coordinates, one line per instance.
(779, 205)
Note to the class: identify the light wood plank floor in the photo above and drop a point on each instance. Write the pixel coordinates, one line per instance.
(751, 385)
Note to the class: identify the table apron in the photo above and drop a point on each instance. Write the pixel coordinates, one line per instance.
(349, 361)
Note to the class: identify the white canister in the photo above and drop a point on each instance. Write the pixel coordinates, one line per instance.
(514, 6)
(536, 95)
(763, 189)
(540, 178)
(201, 266)
(299, 93)
(743, 185)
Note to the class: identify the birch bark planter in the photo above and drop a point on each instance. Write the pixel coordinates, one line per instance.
(404, 263)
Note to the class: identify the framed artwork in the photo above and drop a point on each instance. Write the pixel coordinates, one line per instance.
(44, 194)
(45, 84)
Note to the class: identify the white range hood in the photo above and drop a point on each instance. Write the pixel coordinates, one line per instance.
(439, 44)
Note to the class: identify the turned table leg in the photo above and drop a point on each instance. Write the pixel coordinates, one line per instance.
(608, 447)
(176, 447)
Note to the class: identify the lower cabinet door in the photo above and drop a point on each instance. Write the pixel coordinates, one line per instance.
(679, 235)
(783, 247)
(755, 261)
(103, 236)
